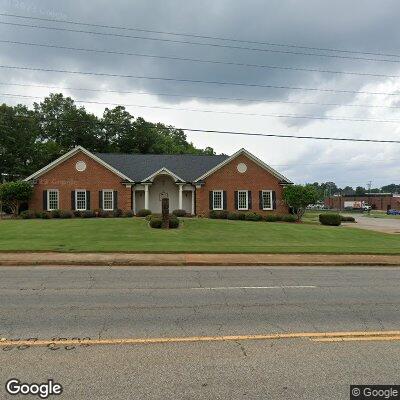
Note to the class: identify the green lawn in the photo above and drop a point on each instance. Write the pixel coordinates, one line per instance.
(381, 214)
(195, 235)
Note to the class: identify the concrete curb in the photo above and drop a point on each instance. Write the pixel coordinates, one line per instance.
(158, 260)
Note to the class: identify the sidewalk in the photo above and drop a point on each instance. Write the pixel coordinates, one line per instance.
(138, 259)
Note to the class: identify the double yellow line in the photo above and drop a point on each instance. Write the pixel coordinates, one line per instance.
(313, 336)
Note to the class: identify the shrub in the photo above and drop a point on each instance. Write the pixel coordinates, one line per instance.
(104, 214)
(56, 214)
(289, 218)
(214, 214)
(273, 218)
(128, 214)
(66, 214)
(347, 218)
(78, 214)
(143, 212)
(117, 213)
(330, 219)
(88, 214)
(250, 216)
(155, 222)
(179, 213)
(28, 214)
(173, 223)
(233, 216)
(241, 216)
(45, 215)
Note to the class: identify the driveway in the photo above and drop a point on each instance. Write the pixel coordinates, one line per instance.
(385, 225)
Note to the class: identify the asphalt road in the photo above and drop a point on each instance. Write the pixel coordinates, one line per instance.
(152, 302)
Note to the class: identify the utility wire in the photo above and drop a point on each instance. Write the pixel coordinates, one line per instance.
(169, 128)
(296, 116)
(242, 84)
(234, 99)
(199, 43)
(198, 36)
(198, 60)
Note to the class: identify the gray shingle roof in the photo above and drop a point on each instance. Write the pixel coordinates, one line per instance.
(139, 166)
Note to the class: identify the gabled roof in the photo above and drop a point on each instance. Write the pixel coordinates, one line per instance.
(252, 157)
(71, 153)
(140, 167)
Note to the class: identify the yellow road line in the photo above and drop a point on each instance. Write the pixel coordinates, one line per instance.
(357, 338)
(315, 336)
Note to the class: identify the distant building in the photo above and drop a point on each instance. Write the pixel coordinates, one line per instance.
(378, 201)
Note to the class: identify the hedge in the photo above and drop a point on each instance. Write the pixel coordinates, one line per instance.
(330, 219)
(347, 218)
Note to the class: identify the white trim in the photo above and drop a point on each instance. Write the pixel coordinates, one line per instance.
(71, 153)
(251, 157)
(48, 199)
(262, 201)
(112, 199)
(160, 171)
(222, 200)
(76, 199)
(247, 200)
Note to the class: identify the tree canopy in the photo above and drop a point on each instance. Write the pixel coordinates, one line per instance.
(32, 138)
(298, 197)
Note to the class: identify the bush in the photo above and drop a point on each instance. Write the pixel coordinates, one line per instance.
(241, 216)
(330, 219)
(88, 214)
(117, 213)
(347, 218)
(104, 214)
(289, 218)
(214, 214)
(273, 218)
(143, 212)
(233, 216)
(28, 214)
(155, 222)
(56, 214)
(66, 214)
(250, 216)
(179, 213)
(77, 214)
(173, 223)
(128, 214)
(44, 215)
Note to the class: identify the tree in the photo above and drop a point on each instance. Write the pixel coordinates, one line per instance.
(298, 197)
(360, 191)
(12, 194)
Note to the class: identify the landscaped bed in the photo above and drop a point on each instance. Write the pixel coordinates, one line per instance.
(194, 236)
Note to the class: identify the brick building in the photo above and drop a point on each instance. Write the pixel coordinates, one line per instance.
(81, 180)
(377, 201)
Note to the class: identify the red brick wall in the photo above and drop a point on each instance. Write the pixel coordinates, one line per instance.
(66, 178)
(376, 202)
(229, 179)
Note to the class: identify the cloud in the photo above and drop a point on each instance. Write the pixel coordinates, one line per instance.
(354, 25)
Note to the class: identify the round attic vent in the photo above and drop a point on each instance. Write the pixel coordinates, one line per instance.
(80, 166)
(242, 168)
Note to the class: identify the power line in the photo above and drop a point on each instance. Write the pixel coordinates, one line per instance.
(199, 60)
(226, 83)
(235, 99)
(296, 116)
(238, 132)
(200, 43)
(230, 39)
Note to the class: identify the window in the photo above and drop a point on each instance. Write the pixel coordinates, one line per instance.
(108, 200)
(243, 200)
(266, 199)
(218, 200)
(52, 199)
(80, 200)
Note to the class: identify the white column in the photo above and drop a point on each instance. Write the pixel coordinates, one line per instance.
(193, 192)
(146, 197)
(180, 196)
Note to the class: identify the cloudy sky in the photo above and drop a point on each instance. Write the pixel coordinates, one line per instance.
(288, 34)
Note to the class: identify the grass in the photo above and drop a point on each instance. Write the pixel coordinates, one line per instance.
(380, 214)
(196, 235)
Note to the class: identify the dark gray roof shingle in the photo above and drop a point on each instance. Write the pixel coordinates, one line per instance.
(139, 166)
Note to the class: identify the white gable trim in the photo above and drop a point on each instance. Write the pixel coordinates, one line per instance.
(161, 171)
(251, 157)
(71, 153)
